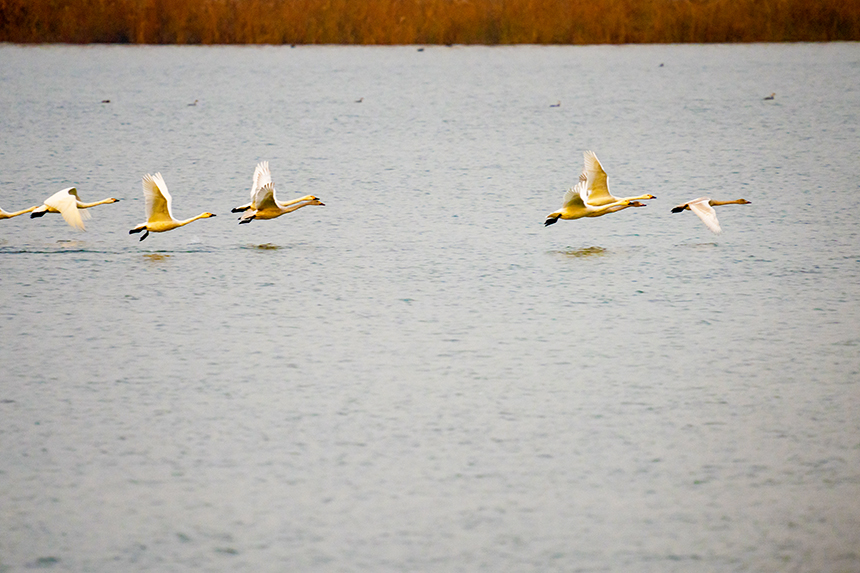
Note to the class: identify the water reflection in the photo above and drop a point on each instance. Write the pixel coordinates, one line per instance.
(154, 257)
(582, 253)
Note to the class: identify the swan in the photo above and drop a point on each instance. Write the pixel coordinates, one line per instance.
(598, 189)
(262, 176)
(704, 208)
(68, 204)
(267, 206)
(159, 212)
(8, 215)
(576, 205)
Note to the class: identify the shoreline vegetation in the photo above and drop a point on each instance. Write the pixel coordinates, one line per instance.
(403, 22)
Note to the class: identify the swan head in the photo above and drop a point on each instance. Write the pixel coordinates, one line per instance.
(207, 215)
(316, 201)
(112, 200)
(743, 202)
(649, 196)
(637, 204)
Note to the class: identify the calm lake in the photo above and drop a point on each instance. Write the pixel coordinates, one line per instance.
(420, 376)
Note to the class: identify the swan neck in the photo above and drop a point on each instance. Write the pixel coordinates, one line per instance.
(88, 205)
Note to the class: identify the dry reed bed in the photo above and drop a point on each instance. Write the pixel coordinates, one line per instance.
(427, 21)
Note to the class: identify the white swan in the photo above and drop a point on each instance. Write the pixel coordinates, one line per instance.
(8, 215)
(576, 205)
(159, 208)
(598, 188)
(263, 176)
(704, 208)
(67, 204)
(267, 206)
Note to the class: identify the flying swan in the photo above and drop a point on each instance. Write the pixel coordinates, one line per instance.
(704, 208)
(67, 204)
(159, 212)
(577, 205)
(267, 206)
(598, 189)
(8, 215)
(262, 175)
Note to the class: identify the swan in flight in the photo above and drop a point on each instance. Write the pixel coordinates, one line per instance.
(704, 208)
(263, 176)
(576, 205)
(159, 211)
(598, 189)
(8, 215)
(67, 204)
(267, 206)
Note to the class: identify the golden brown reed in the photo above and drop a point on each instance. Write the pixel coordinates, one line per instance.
(427, 21)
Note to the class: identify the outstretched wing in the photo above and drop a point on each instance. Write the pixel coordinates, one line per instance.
(66, 202)
(265, 197)
(262, 175)
(158, 199)
(706, 213)
(575, 196)
(598, 188)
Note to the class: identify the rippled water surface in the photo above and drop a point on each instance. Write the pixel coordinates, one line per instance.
(419, 376)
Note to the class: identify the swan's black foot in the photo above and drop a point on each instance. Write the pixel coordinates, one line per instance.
(239, 209)
(549, 222)
(35, 214)
(248, 220)
(677, 209)
(145, 235)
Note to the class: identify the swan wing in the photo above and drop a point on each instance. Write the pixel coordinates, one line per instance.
(158, 199)
(66, 202)
(598, 188)
(706, 213)
(262, 175)
(265, 197)
(575, 196)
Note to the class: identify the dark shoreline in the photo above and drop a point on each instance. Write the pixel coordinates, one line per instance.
(427, 22)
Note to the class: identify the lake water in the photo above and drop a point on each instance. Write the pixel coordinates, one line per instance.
(420, 376)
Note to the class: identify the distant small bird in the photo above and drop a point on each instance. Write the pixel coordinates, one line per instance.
(420, 49)
(703, 208)
(67, 204)
(159, 210)
(105, 101)
(190, 104)
(359, 100)
(557, 104)
(660, 66)
(771, 96)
